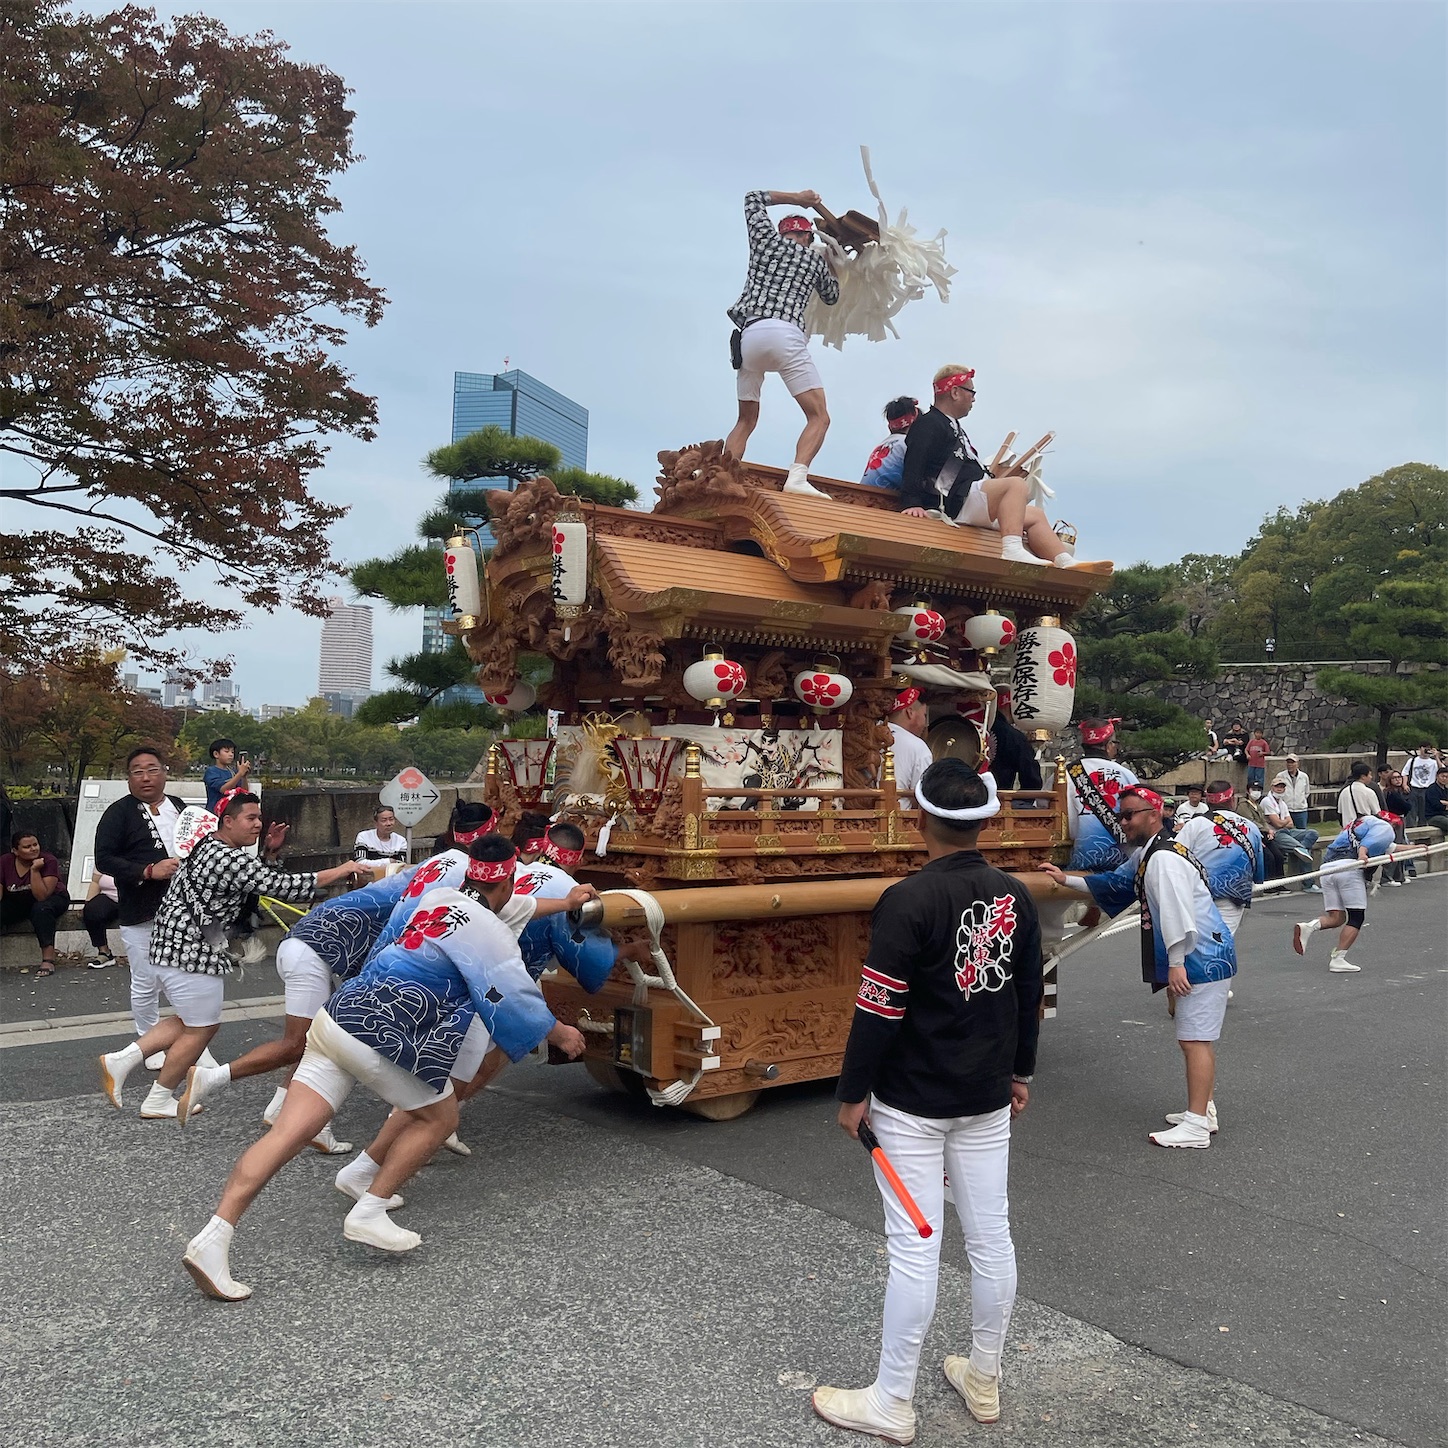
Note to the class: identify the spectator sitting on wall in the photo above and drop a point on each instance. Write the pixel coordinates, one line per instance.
(1214, 745)
(382, 841)
(1257, 749)
(1234, 741)
(1193, 805)
(1280, 830)
(33, 892)
(1435, 803)
(887, 462)
(102, 909)
(223, 773)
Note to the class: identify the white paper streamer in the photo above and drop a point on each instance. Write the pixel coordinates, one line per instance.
(877, 281)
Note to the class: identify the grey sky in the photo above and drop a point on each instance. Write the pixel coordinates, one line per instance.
(1204, 243)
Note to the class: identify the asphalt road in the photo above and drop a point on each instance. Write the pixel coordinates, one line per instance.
(604, 1272)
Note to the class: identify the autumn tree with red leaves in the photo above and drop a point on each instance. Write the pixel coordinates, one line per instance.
(172, 303)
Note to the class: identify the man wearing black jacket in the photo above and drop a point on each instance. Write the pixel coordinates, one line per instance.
(1012, 760)
(940, 1054)
(136, 847)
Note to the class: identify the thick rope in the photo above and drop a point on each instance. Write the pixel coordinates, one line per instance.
(1130, 918)
(676, 1091)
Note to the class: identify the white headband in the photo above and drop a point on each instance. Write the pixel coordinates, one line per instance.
(984, 811)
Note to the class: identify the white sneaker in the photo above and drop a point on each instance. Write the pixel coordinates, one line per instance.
(155, 1060)
(982, 1394)
(1300, 933)
(1191, 1131)
(457, 1146)
(1395, 884)
(1341, 965)
(206, 1260)
(866, 1410)
(797, 481)
(368, 1222)
(328, 1144)
(115, 1067)
(1014, 550)
(1175, 1118)
(200, 1081)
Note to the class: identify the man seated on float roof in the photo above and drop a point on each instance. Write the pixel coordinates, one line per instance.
(943, 473)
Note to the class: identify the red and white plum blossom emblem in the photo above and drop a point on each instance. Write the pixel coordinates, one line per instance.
(1063, 663)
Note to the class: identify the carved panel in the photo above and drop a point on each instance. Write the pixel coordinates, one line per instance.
(768, 956)
(810, 1026)
(702, 473)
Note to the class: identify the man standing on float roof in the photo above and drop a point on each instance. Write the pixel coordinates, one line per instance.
(785, 271)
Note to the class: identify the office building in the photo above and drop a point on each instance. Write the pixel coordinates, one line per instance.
(346, 662)
(523, 407)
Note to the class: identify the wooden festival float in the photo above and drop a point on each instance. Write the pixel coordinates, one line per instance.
(723, 666)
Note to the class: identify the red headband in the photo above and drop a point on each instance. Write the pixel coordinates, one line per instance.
(565, 859)
(1098, 733)
(1150, 796)
(795, 223)
(904, 699)
(536, 847)
(902, 424)
(489, 872)
(225, 798)
(1222, 796)
(466, 837)
(956, 379)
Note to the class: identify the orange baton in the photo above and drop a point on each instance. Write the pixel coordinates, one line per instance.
(871, 1143)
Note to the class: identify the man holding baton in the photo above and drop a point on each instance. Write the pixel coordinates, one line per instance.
(940, 1056)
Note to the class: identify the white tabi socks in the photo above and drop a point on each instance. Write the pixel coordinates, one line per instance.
(796, 480)
(206, 1260)
(1014, 550)
(355, 1180)
(159, 1105)
(279, 1099)
(115, 1067)
(368, 1222)
(201, 1081)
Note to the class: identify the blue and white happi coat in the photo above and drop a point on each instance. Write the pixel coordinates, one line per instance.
(1177, 908)
(450, 869)
(343, 931)
(588, 955)
(1093, 847)
(1230, 849)
(415, 999)
(1373, 834)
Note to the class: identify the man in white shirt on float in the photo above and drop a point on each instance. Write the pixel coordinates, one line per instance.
(909, 719)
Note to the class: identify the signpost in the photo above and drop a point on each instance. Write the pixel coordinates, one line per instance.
(411, 797)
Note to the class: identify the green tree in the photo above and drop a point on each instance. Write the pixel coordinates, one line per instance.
(1299, 574)
(1130, 642)
(173, 304)
(1404, 624)
(1203, 586)
(414, 578)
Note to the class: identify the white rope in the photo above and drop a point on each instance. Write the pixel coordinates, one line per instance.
(1130, 918)
(676, 1091)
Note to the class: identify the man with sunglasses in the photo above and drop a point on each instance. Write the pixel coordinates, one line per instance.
(943, 476)
(1186, 947)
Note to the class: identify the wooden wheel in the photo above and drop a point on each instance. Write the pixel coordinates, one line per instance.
(627, 1083)
(722, 1108)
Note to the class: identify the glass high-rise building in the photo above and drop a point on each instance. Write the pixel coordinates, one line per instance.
(524, 407)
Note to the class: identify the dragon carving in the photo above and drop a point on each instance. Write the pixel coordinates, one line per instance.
(525, 517)
(701, 473)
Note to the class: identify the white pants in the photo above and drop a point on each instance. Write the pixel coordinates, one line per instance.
(197, 998)
(306, 978)
(474, 1048)
(145, 988)
(774, 345)
(975, 1150)
(334, 1062)
(1231, 912)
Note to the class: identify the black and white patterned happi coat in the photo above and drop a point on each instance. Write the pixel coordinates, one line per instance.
(207, 893)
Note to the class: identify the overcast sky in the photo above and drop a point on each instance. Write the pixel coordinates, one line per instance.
(1204, 243)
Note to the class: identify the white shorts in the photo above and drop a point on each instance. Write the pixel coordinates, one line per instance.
(1231, 912)
(1199, 1015)
(1343, 886)
(975, 511)
(306, 977)
(474, 1048)
(334, 1062)
(775, 346)
(197, 998)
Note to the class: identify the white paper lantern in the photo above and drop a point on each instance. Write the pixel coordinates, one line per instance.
(1043, 682)
(461, 564)
(989, 632)
(823, 689)
(515, 700)
(714, 681)
(570, 566)
(923, 625)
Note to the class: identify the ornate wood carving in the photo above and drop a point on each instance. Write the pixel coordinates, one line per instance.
(765, 956)
(526, 516)
(636, 654)
(701, 473)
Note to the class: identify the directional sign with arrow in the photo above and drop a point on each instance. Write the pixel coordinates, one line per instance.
(411, 796)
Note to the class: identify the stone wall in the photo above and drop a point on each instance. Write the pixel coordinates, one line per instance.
(1282, 700)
